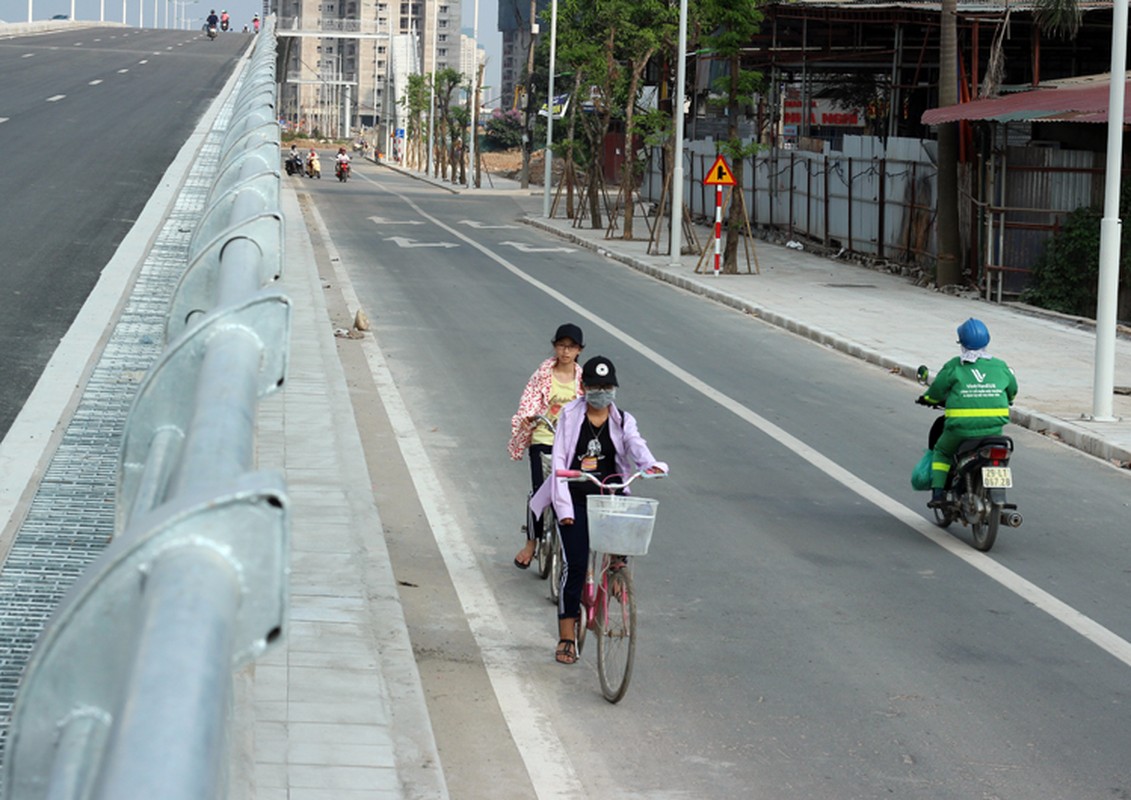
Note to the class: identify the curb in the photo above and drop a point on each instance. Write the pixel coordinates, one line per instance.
(1072, 435)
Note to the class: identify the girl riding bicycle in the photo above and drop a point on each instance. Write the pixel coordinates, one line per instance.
(556, 382)
(595, 437)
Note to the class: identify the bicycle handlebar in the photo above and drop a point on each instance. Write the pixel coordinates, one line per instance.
(576, 475)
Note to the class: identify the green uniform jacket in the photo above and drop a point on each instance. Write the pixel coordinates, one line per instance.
(977, 396)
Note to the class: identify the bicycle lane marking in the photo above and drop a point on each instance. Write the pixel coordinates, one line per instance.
(547, 762)
(1082, 624)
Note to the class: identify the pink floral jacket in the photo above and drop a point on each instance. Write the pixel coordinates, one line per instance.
(535, 400)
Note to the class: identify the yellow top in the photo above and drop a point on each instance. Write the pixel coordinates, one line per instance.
(561, 392)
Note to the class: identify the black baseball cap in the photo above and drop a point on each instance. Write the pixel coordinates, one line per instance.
(599, 371)
(569, 331)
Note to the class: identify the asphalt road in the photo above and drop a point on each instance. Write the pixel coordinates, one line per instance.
(801, 633)
(90, 120)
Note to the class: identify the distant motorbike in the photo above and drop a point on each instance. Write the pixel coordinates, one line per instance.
(313, 166)
(211, 31)
(343, 171)
(293, 164)
(224, 24)
(976, 484)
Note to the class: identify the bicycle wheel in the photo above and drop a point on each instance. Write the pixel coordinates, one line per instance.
(555, 560)
(544, 548)
(616, 634)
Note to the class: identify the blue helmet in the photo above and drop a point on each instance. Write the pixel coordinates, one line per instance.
(973, 334)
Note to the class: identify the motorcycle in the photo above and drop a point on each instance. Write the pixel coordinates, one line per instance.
(211, 31)
(976, 484)
(293, 164)
(313, 166)
(224, 24)
(343, 171)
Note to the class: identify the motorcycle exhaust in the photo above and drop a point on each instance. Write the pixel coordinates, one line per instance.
(1011, 518)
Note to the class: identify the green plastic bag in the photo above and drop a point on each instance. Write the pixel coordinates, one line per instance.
(921, 475)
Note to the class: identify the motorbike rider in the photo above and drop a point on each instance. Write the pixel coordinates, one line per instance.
(255, 23)
(340, 161)
(312, 165)
(225, 19)
(213, 20)
(977, 390)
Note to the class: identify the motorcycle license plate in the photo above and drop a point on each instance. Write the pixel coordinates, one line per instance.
(997, 477)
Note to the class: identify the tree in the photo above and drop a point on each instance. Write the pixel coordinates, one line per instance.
(415, 103)
(732, 24)
(645, 28)
(947, 267)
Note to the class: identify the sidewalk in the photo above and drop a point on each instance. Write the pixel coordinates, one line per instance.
(886, 320)
(337, 711)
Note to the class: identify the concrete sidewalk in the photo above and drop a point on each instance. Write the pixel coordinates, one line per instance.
(337, 711)
(885, 319)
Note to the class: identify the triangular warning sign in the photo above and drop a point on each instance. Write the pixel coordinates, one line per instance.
(719, 174)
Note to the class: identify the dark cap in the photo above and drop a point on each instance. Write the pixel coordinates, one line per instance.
(569, 331)
(599, 371)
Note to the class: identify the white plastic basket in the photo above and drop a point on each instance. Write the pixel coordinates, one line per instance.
(621, 524)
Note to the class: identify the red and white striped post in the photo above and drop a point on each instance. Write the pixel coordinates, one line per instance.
(719, 175)
(718, 227)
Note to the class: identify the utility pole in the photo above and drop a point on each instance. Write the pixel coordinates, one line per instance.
(528, 124)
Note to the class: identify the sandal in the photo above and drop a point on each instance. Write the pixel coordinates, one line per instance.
(566, 652)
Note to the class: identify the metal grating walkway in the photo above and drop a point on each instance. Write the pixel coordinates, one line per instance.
(71, 517)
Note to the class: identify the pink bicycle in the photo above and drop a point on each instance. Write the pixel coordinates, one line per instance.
(619, 526)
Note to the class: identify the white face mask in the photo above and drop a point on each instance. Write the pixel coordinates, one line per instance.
(601, 398)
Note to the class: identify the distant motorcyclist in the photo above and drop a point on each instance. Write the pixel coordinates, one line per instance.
(313, 165)
(213, 20)
(977, 390)
(225, 20)
(255, 23)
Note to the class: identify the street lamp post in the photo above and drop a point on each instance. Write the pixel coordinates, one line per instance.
(549, 157)
(677, 167)
(432, 88)
(1108, 288)
(471, 143)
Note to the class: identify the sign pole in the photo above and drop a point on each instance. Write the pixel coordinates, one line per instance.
(719, 175)
(718, 226)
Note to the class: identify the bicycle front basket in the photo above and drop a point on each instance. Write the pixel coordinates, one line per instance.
(621, 524)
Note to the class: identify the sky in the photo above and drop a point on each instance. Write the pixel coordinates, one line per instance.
(241, 11)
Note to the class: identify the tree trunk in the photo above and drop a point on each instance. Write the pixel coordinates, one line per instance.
(628, 178)
(948, 270)
(734, 214)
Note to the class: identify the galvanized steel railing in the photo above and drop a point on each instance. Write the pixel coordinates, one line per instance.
(128, 693)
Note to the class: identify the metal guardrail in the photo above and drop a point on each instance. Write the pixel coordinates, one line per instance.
(128, 693)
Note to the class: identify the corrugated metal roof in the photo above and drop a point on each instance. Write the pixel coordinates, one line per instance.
(1066, 103)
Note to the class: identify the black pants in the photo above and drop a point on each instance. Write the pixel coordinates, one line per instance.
(575, 555)
(534, 523)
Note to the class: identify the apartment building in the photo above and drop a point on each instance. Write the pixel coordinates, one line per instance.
(338, 58)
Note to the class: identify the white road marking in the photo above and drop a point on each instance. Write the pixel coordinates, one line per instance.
(530, 248)
(27, 55)
(1085, 626)
(383, 221)
(402, 241)
(95, 82)
(471, 223)
(144, 61)
(123, 71)
(547, 763)
(55, 98)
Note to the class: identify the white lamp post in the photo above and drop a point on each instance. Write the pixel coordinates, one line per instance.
(432, 88)
(474, 101)
(550, 108)
(1108, 288)
(677, 168)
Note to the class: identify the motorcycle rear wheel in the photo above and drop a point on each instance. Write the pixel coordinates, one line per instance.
(985, 533)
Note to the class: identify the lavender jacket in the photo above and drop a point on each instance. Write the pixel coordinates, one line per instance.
(632, 454)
